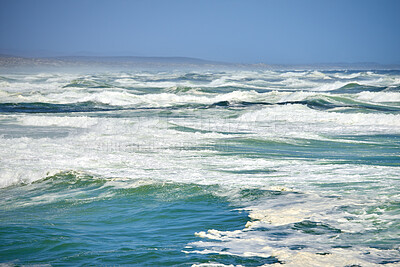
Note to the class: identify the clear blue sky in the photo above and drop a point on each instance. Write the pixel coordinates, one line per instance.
(248, 31)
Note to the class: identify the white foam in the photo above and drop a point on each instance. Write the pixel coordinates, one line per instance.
(215, 264)
(330, 86)
(336, 257)
(61, 121)
(347, 76)
(289, 74)
(130, 144)
(379, 97)
(288, 210)
(120, 97)
(299, 118)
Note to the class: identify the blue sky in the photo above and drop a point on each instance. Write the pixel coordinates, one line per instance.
(246, 31)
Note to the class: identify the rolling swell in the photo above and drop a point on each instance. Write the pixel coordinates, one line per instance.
(328, 104)
(323, 103)
(38, 107)
(353, 88)
(152, 220)
(87, 83)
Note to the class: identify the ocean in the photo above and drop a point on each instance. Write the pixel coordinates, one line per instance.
(229, 167)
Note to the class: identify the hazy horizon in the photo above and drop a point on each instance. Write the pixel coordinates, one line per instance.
(81, 62)
(269, 32)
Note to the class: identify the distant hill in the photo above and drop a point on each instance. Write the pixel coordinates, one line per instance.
(133, 59)
(16, 61)
(7, 61)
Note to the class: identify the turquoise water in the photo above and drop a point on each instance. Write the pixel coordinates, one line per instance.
(92, 223)
(200, 168)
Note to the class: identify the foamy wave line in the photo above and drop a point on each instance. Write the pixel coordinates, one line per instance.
(300, 113)
(127, 98)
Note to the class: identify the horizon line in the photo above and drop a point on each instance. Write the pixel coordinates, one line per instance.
(201, 60)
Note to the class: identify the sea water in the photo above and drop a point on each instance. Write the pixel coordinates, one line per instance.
(206, 167)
